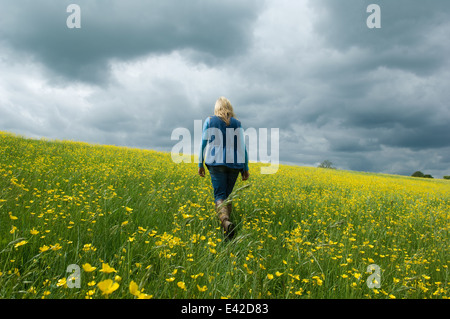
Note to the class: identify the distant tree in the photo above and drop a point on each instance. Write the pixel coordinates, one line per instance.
(417, 174)
(420, 174)
(326, 164)
(446, 177)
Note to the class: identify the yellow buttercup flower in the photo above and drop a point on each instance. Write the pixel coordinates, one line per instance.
(56, 246)
(134, 290)
(61, 283)
(43, 248)
(88, 268)
(202, 289)
(197, 275)
(108, 286)
(142, 229)
(107, 269)
(20, 243)
(318, 280)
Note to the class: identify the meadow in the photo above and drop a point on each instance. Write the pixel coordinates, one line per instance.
(133, 224)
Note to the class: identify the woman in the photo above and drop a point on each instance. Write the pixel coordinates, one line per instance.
(225, 157)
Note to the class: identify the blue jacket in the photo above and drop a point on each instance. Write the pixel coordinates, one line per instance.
(224, 144)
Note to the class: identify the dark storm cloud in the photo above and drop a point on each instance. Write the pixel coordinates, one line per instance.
(377, 90)
(124, 30)
(404, 23)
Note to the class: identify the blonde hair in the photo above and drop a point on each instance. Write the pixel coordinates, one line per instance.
(224, 110)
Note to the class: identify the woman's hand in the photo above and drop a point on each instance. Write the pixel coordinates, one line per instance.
(201, 171)
(245, 175)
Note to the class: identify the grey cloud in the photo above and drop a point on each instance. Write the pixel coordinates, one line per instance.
(421, 138)
(124, 30)
(411, 37)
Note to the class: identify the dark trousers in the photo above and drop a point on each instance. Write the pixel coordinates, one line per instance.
(223, 179)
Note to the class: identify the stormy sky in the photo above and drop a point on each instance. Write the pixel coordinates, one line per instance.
(366, 99)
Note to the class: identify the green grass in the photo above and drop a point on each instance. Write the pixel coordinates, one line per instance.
(302, 232)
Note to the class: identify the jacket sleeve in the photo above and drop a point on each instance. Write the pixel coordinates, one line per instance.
(201, 155)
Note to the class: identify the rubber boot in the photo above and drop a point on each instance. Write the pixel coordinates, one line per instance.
(224, 213)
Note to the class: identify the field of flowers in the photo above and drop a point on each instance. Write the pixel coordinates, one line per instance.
(90, 221)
